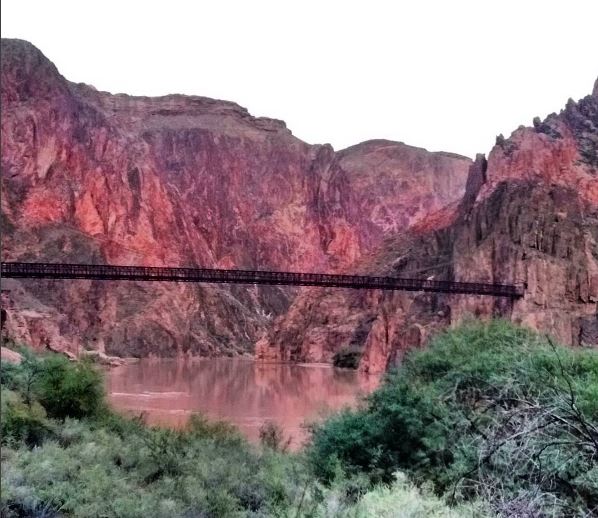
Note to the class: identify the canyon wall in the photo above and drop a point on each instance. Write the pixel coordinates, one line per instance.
(91, 177)
(529, 216)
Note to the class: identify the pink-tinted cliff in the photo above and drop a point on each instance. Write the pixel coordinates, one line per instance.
(529, 215)
(92, 177)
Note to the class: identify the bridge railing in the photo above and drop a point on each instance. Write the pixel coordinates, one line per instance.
(179, 274)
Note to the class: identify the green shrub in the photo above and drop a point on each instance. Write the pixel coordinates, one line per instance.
(221, 431)
(64, 388)
(69, 389)
(387, 501)
(22, 377)
(9, 375)
(149, 472)
(487, 411)
(22, 422)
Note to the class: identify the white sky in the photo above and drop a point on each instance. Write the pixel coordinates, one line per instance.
(444, 75)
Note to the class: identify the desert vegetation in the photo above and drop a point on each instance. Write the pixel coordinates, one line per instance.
(490, 420)
(488, 412)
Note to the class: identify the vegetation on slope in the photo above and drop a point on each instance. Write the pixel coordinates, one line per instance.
(489, 413)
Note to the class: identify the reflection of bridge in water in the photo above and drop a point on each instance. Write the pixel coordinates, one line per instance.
(205, 275)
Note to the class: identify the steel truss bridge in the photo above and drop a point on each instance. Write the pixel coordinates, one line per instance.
(205, 275)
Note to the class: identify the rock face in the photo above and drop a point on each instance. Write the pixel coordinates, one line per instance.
(90, 177)
(529, 215)
(10, 356)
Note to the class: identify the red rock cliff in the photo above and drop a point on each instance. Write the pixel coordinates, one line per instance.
(92, 177)
(529, 215)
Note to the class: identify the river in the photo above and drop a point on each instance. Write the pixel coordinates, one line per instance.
(242, 392)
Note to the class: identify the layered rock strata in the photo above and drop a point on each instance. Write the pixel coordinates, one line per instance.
(90, 177)
(529, 215)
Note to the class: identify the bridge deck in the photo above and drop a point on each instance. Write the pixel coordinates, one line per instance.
(146, 273)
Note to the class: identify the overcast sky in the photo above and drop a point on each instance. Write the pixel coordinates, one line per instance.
(444, 75)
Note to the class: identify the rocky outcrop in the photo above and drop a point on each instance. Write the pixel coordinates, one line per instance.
(10, 356)
(529, 215)
(90, 177)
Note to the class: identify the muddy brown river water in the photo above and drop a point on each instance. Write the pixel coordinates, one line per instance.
(243, 392)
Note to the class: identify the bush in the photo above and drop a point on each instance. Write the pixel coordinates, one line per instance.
(220, 431)
(69, 389)
(487, 411)
(385, 501)
(22, 422)
(62, 387)
(9, 374)
(149, 472)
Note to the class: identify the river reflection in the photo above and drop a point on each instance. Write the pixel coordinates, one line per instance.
(244, 392)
